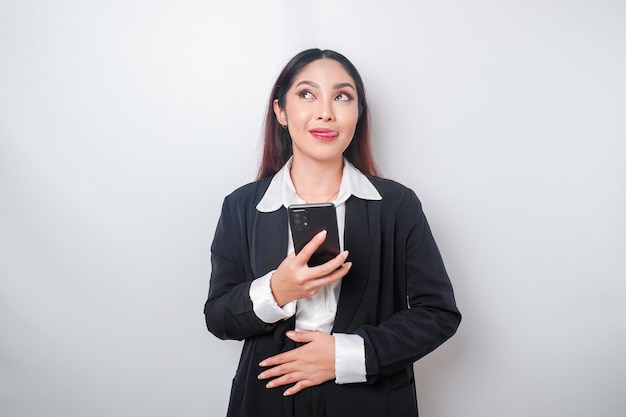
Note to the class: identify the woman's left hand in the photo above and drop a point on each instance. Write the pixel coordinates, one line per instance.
(306, 366)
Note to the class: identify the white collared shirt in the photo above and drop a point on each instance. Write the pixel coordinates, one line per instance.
(316, 313)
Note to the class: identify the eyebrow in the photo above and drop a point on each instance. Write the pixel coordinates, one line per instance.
(316, 85)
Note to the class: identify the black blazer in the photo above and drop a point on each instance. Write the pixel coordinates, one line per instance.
(397, 296)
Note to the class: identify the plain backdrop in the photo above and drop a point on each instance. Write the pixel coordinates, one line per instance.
(123, 124)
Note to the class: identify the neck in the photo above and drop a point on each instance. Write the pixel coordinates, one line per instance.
(317, 182)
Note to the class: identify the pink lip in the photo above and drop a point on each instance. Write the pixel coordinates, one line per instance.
(325, 135)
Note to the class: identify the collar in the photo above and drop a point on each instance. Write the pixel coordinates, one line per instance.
(281, 191)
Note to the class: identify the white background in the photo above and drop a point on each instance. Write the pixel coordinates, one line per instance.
(123, 124)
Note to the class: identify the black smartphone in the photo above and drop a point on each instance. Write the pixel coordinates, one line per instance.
(307, 220)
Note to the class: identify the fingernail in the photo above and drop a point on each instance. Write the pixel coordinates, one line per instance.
(263, 363)
(270, 385)
(345, 254)
(290, 333)
(261, 376)
(321, 235)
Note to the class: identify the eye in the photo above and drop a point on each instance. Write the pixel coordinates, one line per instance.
(343, 97)
(306, 94)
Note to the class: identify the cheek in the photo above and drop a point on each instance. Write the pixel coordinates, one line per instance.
(298, 116)
(351, 119)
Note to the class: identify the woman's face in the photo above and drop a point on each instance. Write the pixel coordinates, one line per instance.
(321, 111)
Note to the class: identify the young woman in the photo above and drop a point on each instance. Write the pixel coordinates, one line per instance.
(338, 339)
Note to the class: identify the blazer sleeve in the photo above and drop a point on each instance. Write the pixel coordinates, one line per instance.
(428, 316)
(228, 309)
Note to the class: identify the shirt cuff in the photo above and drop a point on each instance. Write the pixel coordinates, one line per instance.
(349, 358)
(264, 304)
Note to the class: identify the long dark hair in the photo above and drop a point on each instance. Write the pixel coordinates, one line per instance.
(276, 141)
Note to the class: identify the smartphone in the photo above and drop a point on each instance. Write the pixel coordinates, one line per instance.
(307, 220)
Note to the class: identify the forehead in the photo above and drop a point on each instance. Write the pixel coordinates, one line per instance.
(324, 71)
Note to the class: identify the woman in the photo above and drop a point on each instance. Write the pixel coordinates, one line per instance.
(338, 339)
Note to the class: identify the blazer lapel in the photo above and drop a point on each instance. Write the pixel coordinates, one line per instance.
(269, 241)
(357, 239)
(269, 248)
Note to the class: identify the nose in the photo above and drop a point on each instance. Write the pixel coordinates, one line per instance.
(325, 111)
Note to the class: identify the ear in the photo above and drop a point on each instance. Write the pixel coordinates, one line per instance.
(281, 115)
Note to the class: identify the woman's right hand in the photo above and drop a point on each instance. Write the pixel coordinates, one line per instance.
(294, 279)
